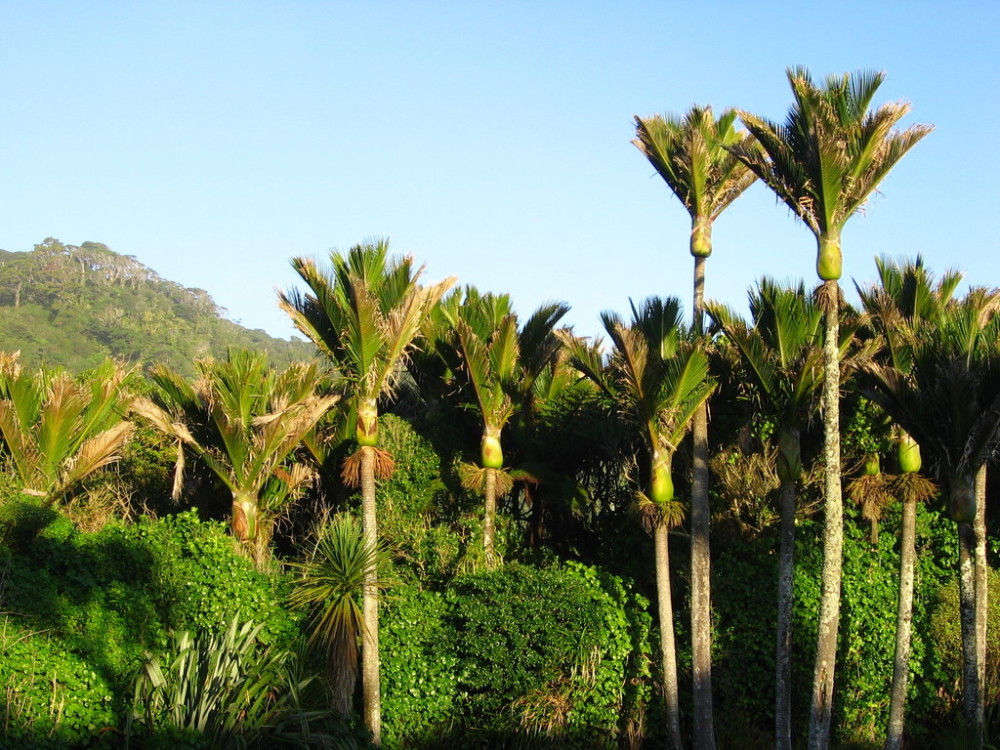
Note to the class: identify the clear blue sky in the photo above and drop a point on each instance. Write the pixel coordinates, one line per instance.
(490, 140)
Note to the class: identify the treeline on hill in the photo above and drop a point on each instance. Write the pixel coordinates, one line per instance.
(464, 528)
(77, 304)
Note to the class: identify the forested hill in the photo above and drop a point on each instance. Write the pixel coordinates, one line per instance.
(75, 305)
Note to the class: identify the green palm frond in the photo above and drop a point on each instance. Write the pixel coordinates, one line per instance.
(782, 351)
(831, 153)
(57, 431)
(691, 154)
(242, 420)
(363, 314)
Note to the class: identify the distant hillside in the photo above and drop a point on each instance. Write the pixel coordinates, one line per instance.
(74, 306)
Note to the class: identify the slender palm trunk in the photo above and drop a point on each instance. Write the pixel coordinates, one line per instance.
(667, 646)
(369, 639)
(833, 529)
(701, 560)
(971, 694)
(982, 594)
(489, 519)
(904, 622)
(783, 669)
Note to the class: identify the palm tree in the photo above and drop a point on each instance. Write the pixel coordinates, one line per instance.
(364, 315)
(330, 582)
(56, 430)
(904, 304)
(242, 420)
(782, 358)
(501, 363)
(690, 154)
(823, 163)
(660, 379)
(948, 399)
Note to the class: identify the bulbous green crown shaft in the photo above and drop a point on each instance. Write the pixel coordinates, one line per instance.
(789, 462)
(661, 486)
(829, 260)
(491, 454)
(908, 454)
(701, 237)
(367, 424)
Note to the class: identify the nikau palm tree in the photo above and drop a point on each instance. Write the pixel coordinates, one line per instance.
(948, 400)
(823, 163)
(782, 357)
(691, 156)
(57, 431)
(501, 363)
(364, 316)
(242, 420)
(660, 378)
(900, 309)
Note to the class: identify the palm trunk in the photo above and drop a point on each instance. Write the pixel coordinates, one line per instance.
(489, 519)
(904, 622)
(701, 561)
(972, 702)
(667, 646)
(982, 594)
(833, 529)
(369, 639)
(783, 670)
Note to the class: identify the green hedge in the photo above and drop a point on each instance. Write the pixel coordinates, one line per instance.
(554, 657)
(82, 609)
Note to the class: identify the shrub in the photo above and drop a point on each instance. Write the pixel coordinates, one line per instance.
(50, 697)
(557, 656)
(88, 606)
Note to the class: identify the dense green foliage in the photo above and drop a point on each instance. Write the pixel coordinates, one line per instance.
(76, 305)
(88, 606)
(557, 654)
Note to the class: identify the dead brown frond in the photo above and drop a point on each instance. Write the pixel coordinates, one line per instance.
(653, 515)
(350, 471)
(384, 464)
(473, 478)
(873, 492)
(747, 482)
(914, 488)
(829, 295)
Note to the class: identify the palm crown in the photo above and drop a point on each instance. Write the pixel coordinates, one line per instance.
(55, 430)
(364, 315)
(691, 155)
(242, 420)
(830, 154)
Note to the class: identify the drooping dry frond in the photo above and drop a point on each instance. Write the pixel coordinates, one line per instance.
(914, 487)
(828, 297)
(473, 478)
(654, 515)
(874, 493)
(350, 470)
(95, 453)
